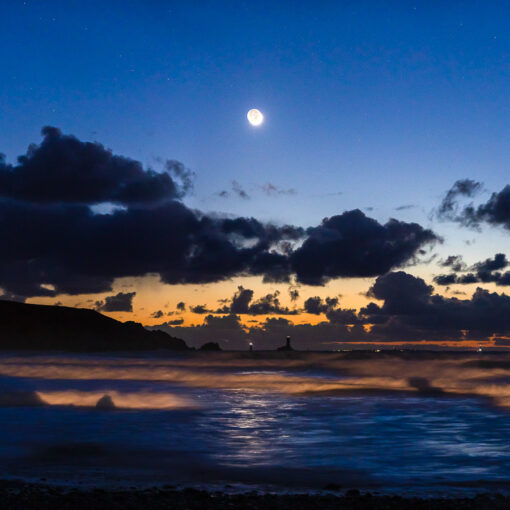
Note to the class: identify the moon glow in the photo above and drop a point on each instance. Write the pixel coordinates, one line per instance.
(255, 117)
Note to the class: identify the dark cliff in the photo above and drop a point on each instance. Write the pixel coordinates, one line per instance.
(40, 327)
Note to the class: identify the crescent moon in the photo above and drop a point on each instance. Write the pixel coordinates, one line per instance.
(255, 117)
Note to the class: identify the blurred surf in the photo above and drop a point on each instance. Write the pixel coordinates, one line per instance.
(300, 421)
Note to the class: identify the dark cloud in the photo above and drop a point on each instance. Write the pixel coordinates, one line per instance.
(239, 191)
(449, 207)
(316, 305)
(268, 189)
(62, 169)
(412, 312)
(157, 314)
(169, 240)
(446, 279)
(468, 278)
(343, 316)
(121, 302)
(199, 309)
(7, 296)
(272, 190)
(496, 211)
(241, 300)
(184, 176)
(486, 271)
(236, 190)
(504, 279)
(175, 322)
(293, 294)
(401, 292)
(455, 262)
(250, 228)
(181, 306)
(498, 262)
(407, 310)
(54, 242)
(404, 207)
(269, 304)
(242, 303)
(329, 306)
(351, 244)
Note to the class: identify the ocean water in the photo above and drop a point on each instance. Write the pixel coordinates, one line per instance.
(297, 421)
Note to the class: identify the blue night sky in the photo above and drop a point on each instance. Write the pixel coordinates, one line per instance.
(370, 105)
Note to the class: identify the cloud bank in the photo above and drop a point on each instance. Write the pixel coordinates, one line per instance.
(54, 241)
(121, 302)
(495, 211)
(404, 309)
(487, 271)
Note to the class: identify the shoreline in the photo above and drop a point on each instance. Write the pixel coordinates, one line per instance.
(21, 495)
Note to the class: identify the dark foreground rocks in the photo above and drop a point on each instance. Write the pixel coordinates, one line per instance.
(43, 497)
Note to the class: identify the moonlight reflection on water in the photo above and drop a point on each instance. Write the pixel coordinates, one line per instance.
(229, 418)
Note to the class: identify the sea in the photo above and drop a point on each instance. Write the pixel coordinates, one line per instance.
(408, 423)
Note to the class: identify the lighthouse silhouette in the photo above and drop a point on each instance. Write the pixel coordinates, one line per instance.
(287, 346)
